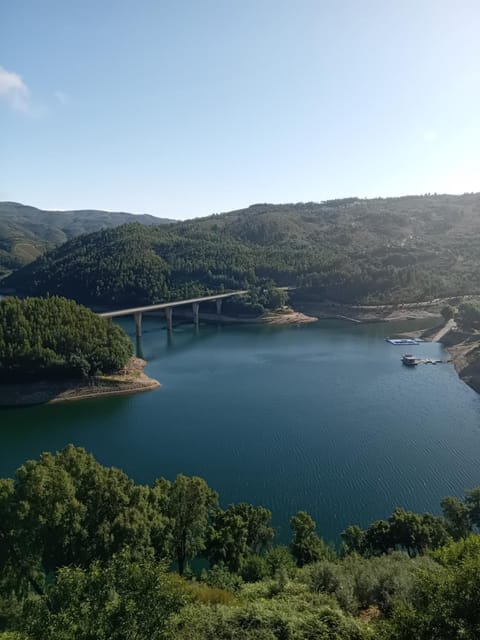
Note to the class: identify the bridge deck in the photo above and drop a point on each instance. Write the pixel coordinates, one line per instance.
(165, 305)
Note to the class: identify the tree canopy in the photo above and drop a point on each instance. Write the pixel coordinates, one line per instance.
(57, 338)
(86, 553)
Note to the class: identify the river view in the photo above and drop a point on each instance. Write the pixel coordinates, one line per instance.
(319, 417)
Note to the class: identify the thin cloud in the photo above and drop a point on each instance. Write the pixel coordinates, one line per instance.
(14, 91)
(62, 97)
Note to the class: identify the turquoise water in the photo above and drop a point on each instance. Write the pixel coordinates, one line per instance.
(320, 417)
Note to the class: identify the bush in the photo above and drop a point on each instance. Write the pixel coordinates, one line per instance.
(444, 603)
(280, 560)
(221, 578)
(359, 583)
(254, 569)
(276, 619)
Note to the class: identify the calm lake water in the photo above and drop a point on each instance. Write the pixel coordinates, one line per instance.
(319, 417)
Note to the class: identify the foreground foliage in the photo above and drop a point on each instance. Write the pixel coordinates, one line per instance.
(85, 553)
(57, 338)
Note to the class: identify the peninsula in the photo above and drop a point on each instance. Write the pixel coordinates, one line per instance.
(54, 350)
(131, 379)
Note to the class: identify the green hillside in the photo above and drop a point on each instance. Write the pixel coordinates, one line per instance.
(27, 232)
(351, 250)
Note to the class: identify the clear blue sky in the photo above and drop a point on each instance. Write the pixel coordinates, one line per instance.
(182, 108)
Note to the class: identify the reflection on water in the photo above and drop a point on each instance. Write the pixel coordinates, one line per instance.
(319, 417)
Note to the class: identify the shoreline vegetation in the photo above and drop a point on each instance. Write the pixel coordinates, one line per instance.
(89, 553)
(131, 379)
(55, 350)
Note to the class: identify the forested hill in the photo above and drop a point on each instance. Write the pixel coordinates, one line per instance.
(351, 250)
(27, 232)
(57, 339)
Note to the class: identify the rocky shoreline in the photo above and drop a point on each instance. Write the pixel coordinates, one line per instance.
(130, 380)
(464, 350)
(288, 317)
(283, 317)
(371, 313)
(461, 347)
(305, 312)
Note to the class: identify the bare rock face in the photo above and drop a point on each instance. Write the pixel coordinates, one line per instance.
(464, 349)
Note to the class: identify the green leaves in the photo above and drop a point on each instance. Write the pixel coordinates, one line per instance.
(237, 532)
(457, 517)
(306, 545)
(444, 603)
(57, 338)
(120, 600)
(190, 501)
(84, 555)
(404, 530)
(67, 509)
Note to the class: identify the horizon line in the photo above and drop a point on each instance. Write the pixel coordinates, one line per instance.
(249, 206)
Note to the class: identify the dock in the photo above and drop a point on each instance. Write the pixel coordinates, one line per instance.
(410, 361)
(403, 341)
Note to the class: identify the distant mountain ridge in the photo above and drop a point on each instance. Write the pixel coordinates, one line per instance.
(26, 232)
(380, 250)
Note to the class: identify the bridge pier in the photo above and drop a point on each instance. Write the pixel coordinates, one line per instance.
(168, 316)
(138, 347)
(137, 312)
(195, 308)
(138, 324)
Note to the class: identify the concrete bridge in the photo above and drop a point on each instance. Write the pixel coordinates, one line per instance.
(137, 312)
